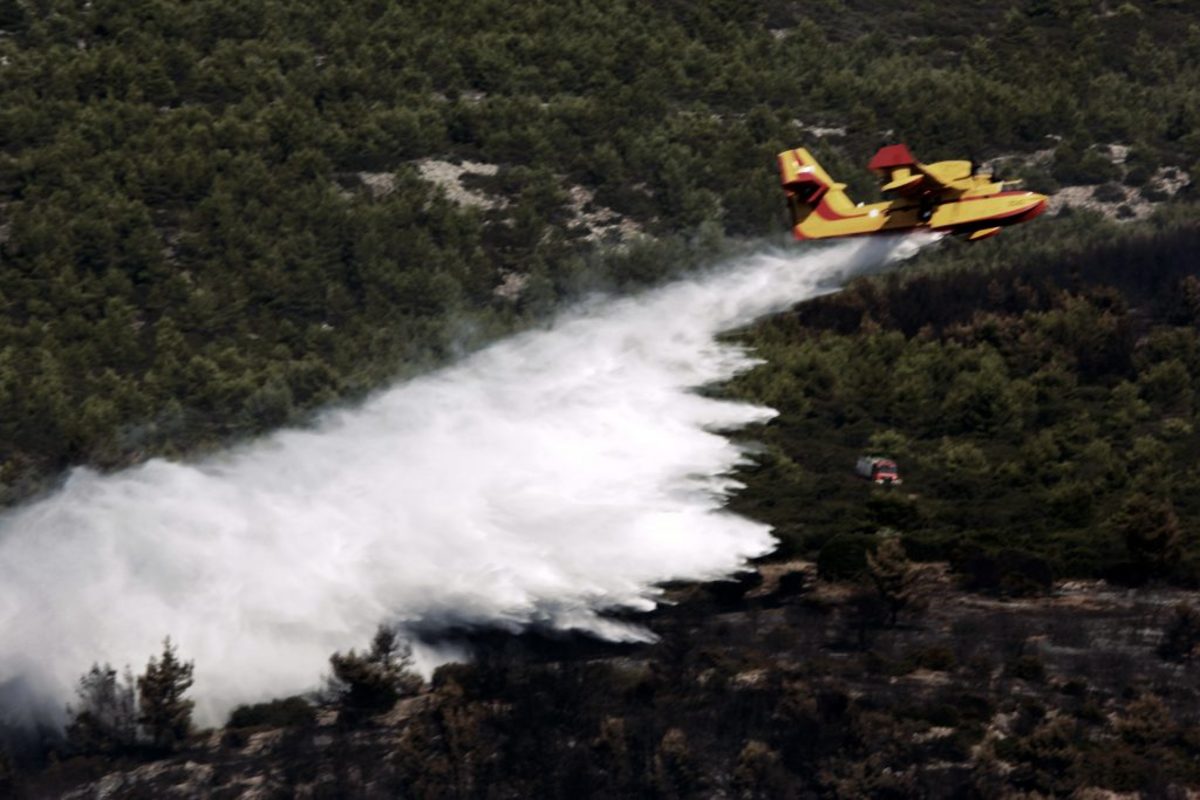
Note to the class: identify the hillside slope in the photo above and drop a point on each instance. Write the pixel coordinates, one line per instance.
(214, 218)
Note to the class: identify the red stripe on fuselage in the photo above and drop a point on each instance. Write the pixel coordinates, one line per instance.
(825, 211)
(1004, 217)
(989, 196)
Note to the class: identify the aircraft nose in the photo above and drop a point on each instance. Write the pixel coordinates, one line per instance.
(1037, 204)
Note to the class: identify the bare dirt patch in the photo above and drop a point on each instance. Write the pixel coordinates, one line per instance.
(449, 176)
(602, 223)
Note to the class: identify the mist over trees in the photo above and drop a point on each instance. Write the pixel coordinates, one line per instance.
(164, 713)
(105, 720)
(361, 685)
(116, 716)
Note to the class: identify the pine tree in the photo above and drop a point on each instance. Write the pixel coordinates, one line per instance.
(758, 772)
(373, 682)
(895, 577)
(1181, 637)
(165, 716)
(106, 720)
(675, 770)
(1151, 532)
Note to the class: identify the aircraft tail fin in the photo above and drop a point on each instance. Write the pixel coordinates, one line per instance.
(802, 177)
(808, 186)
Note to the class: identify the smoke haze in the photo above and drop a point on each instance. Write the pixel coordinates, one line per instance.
(545, 478)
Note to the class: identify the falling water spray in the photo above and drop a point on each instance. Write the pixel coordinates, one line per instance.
(542, 480)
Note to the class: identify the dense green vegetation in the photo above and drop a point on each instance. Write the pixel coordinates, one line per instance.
(187, 252)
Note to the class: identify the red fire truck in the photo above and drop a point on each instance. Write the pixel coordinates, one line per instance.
(878, 470)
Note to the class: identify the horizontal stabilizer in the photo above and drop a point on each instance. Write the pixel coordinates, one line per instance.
(903, 181)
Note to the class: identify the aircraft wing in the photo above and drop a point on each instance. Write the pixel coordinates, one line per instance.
(902, 173)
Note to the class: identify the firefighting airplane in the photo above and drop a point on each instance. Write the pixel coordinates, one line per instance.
(946, 196)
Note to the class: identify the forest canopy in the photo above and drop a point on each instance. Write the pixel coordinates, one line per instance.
(213, 216)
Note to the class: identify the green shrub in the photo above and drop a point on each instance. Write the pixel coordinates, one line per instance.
(1008, 572)
(732, 591)
(938, 658)
(889, 509)
(1028, 668)
(1109, 193)
(370, 683)
(1089, 167)
(792, 583)
(1181, 636)
(942, 714)
(1137, 175)
(289, 712)
(844, 557)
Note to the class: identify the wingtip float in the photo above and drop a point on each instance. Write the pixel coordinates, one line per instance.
(946, 196)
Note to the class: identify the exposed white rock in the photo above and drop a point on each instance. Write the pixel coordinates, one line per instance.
(449, 176)
(511, 284)
(819, 131)
(1171, 179)
(602, 222)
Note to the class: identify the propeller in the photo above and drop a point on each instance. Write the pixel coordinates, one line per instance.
(1006, 182)
(978, 169)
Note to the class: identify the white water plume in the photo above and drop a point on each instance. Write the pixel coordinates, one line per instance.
(549, 476)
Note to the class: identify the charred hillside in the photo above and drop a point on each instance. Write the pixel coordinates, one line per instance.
(793, 689)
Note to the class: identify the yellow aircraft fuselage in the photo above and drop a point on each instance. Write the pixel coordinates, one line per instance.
(944, 196)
